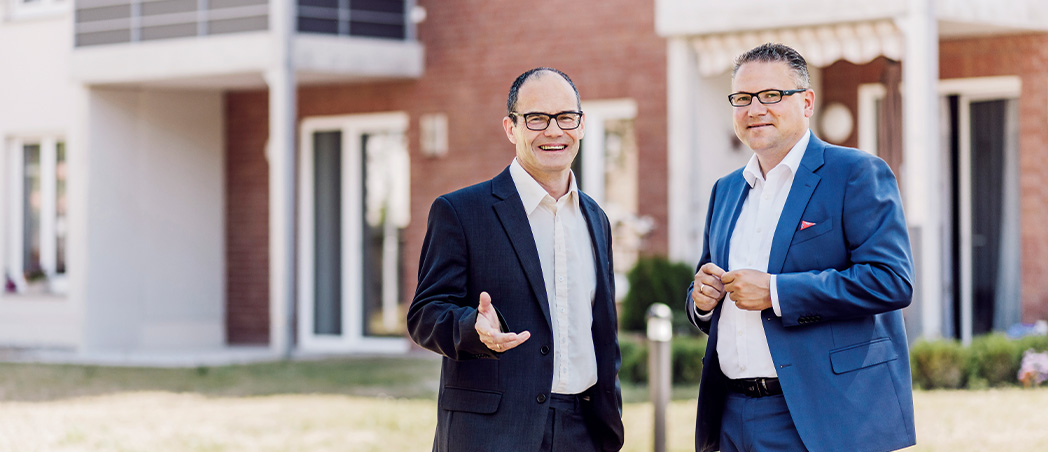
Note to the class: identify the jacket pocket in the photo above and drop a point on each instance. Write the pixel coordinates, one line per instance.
(819, 228)
(860, 356)
(470, 400)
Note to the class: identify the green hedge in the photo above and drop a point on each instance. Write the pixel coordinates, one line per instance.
(686, 353)
(992, 360)
(656, 280)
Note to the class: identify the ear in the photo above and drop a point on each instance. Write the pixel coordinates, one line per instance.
(507, 123)
(809, 103)
(582, 127)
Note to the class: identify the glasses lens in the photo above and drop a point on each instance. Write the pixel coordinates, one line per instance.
(536, 121)
(740, 99)
(568, 121)
(770, 96)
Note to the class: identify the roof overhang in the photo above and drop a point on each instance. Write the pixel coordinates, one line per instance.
(830, 30)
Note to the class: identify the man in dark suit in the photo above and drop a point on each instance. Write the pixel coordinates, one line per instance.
(807, 348)
(516, 291)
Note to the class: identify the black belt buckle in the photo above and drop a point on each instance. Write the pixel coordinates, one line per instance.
(762, 387)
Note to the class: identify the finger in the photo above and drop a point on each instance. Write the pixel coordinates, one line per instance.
(712, 269)
(518, 339)
(729, 277)
(485, 302)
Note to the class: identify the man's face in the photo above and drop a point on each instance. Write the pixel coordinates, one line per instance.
(551, 151)
(771, 130)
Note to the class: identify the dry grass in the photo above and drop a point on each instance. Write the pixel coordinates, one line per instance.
(1008, 419)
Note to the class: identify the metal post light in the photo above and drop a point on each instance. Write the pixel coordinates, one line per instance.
(660, 331)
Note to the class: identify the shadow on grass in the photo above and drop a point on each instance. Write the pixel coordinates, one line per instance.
(399, 377)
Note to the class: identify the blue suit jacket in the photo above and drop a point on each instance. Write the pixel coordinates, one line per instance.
(479, 239)
(840, 346)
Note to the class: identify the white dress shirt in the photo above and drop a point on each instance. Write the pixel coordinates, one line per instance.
(741, 344)
(566, 254)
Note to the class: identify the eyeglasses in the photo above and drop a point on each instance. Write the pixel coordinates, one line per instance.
(768, 96)
(566, 120)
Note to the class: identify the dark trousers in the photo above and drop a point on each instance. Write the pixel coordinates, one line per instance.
(758, 424)
(566, 429)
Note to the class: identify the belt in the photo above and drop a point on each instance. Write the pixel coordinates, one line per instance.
(755, 387)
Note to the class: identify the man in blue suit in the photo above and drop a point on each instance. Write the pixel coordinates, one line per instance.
(807, 349)
(516, 291)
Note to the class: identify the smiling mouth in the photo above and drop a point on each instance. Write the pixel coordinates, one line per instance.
(754, 126)
(553, 147)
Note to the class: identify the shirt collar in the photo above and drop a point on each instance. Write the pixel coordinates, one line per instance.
(532, 193)
(792, 161)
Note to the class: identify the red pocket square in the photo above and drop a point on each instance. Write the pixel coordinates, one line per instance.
(806, 224)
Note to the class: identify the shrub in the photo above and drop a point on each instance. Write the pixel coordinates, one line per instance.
(687, 353)
(634, 358)
(993, 359)
(656, 280)
(938, 364)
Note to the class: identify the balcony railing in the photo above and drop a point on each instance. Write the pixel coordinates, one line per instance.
(100, 22)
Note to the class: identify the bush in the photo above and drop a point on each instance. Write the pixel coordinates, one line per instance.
(938, 364)
(993, 359)
(686, 355)
(634, 358)
(656, 280)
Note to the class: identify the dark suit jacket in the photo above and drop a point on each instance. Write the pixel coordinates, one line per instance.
(840, 347)
(479, 239)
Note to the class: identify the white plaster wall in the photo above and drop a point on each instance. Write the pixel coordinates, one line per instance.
(154, 256)
(37, 98)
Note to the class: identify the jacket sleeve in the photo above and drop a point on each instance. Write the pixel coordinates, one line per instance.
(442, 316)
(876, 274)
(689, 304)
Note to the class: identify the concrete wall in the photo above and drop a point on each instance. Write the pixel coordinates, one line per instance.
(153, 226)
(36, 100)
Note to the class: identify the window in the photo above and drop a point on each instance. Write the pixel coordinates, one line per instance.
(354, 199)
(36, 217)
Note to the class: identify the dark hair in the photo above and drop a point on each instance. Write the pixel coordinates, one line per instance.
(511, 102)
(770, 53)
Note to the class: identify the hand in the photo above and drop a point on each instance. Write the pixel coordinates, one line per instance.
(749, 289)
(490, 331)
(708, 289)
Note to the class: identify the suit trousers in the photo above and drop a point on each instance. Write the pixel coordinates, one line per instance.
(758, 424)
(566, 429)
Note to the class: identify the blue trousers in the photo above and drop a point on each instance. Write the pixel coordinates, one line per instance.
(566, 429)
(758, 424)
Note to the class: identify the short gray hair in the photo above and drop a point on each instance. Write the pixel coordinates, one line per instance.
(772, 53)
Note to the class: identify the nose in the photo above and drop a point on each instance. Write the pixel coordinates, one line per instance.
(756, 108)
(553, 129)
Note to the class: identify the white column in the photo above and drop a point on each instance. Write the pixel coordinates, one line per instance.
(681, 69)
(281, 154)
(921, 172)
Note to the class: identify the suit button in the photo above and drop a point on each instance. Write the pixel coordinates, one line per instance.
(544, 350)
(540, 398)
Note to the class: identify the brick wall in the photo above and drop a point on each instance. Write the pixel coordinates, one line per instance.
(474, 50)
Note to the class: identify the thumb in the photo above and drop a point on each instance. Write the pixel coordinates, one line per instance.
(485, 302)
(728, 277)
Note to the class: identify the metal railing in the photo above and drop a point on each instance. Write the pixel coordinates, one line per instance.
(100, 22)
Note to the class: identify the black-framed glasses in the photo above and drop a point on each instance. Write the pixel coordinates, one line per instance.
(768, 96)
(566, 120)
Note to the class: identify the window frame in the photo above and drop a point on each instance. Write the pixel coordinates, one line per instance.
(55, 283)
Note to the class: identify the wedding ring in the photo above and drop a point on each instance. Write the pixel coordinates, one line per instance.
(499, 346)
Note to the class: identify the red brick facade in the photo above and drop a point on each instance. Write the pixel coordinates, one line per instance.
(474, 49)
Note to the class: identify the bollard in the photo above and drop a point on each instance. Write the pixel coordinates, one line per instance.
(660, 331)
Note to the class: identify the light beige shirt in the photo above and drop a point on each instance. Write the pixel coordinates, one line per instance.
(566, 254)
(741, 343)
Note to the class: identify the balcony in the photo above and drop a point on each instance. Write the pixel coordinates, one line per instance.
(228, 43)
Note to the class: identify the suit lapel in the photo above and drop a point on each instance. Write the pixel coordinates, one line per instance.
(598, 236)
(735, 196)
(510, 211)
(804, 183)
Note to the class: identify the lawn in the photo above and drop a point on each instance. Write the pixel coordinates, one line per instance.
(371, 405)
